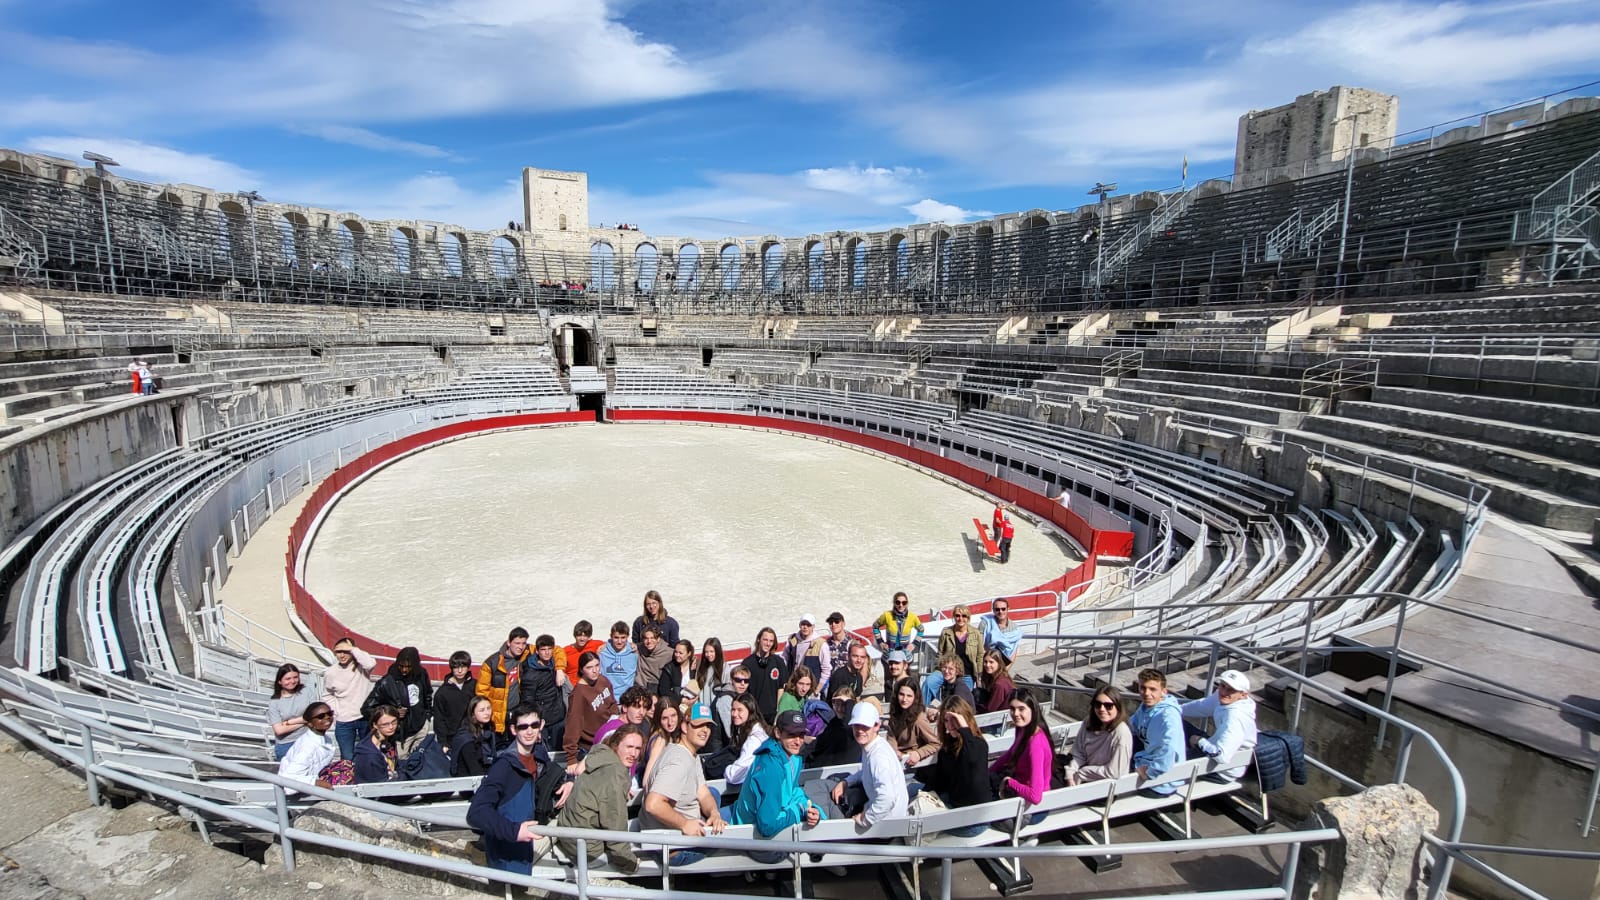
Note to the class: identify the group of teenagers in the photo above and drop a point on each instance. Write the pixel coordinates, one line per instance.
(646, 722)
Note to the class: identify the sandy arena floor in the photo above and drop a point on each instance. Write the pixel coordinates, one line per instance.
(737, 529)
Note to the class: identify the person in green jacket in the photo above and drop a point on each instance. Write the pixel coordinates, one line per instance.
(771, 798)
(600, 798)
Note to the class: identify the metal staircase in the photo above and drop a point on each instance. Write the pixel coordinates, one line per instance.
(159, 238)
(1297, 235)
(1566, 216)
(23, 248)
(1113, 259)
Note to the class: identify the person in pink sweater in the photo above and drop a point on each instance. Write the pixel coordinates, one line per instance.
(1024, 769)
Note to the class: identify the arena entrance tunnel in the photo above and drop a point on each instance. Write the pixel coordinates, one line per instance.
(1027, 603)
(574, 346)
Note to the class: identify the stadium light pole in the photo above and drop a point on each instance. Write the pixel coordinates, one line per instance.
(252, 198)
(100, 161)
(1349, 185)
(1100, 189)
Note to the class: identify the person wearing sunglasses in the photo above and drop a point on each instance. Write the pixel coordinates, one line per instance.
(314, 749)
(520, 792)
(1000, 631)
(898, 628)
(1103, 747)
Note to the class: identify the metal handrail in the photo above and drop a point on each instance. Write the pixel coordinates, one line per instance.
(279, 825)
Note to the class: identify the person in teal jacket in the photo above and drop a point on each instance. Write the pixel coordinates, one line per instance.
(771, 798)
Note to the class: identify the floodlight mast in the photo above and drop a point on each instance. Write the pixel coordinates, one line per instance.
(100, 161)
(1100, 189)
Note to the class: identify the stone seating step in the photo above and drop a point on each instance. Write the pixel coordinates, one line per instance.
(1559, 476)
(1246, 396)
(1544, 441)
(1569, 417)
(1520, 501)
(1205, 405)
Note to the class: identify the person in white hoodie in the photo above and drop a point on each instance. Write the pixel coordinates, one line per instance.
(1233, 714)
(345, 686)
(313, 750)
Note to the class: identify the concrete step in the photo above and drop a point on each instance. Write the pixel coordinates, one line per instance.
(1263, 383)
(1567, 417)
(1246, 396)
(1583, 448)
(20, 406)
(1511, 496)
(1206, 406)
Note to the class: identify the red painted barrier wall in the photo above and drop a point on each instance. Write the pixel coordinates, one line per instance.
(327, 629)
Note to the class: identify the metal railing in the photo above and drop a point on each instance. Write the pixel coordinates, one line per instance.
(276, 822)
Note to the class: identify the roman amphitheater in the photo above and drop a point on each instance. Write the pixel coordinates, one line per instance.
(1334, 422)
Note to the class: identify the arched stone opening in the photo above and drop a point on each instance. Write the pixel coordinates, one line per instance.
(505, 257)
(646, 263)
(602, 265)
(688, 267)
(729, 260)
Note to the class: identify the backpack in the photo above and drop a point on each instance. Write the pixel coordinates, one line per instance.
(428, 761)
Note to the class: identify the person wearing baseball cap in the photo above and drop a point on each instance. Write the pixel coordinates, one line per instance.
(807, 648)
(1232, 712)
(771, 798)
(676, 792)
(877, 790)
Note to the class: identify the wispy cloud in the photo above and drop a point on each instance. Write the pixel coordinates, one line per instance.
(150, 162)
(368, 139)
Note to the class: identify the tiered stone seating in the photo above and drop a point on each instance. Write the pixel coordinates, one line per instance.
(708, 327)
(955, 330)
(125, 314)
(761, 362)
(676, 357)
(866, 366)
(646, 386)
(835, 328)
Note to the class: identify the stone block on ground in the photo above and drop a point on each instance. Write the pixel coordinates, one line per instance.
(1378, 855)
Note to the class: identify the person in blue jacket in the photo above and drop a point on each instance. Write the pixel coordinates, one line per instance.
(1158, 729)
(771, 798)
(517, 793)
(619, 662)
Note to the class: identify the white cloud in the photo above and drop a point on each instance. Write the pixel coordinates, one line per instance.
(879, 184)
(150, 162)
(371, 140)
(930, 210)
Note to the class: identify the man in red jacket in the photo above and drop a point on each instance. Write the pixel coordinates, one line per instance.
(1007, 532)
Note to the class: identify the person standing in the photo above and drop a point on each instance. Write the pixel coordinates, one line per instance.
(507, 803)
(147, 379)
(839, 641)
(897, 629)
(655, 611)
(767, 673)
(1000, 631)
(500, 676)
(618, 661)
(582, 642)
(592, 703)
(345, 686)
(998, 520)
(285, 711)
(454, 694)
(1158, 724)
(807, 648)
(1008, 530)
(405, 688)
(654, 654)
(544, 684)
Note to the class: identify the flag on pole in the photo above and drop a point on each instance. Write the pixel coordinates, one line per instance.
(1186, 168)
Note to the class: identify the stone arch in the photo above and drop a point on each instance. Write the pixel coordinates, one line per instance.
(453, 249)
(403, 240)
(351, 238)
(602, 265)
(505, 257)
(646, 263)
(816, 265)
(561, 222)
(857, 256)
(772, 266)
(294, 231)
(900, 258)
(688, 275)
(730, 260)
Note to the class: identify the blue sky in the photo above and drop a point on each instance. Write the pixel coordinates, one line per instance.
(716, 117)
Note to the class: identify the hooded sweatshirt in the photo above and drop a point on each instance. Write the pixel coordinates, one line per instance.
(507, 797)
(346, 688)
(599, 799)
(771, 798)
(619, 667)
(1161, 729)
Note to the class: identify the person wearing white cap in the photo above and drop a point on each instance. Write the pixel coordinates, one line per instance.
(807, 648)
(877, 790)
(1233, 714)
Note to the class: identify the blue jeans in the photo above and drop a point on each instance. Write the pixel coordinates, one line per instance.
(935, 683)
(348, 734)
(281, 749)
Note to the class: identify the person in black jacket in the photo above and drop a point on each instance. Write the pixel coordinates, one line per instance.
(836, 745)
(960, 773)
(407, 689)
(767, 673)
(455, 693)
(677, 685)
(521, 790)
(545, 685)
(473, 748)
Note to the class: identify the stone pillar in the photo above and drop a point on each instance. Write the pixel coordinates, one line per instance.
(1378, 855)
